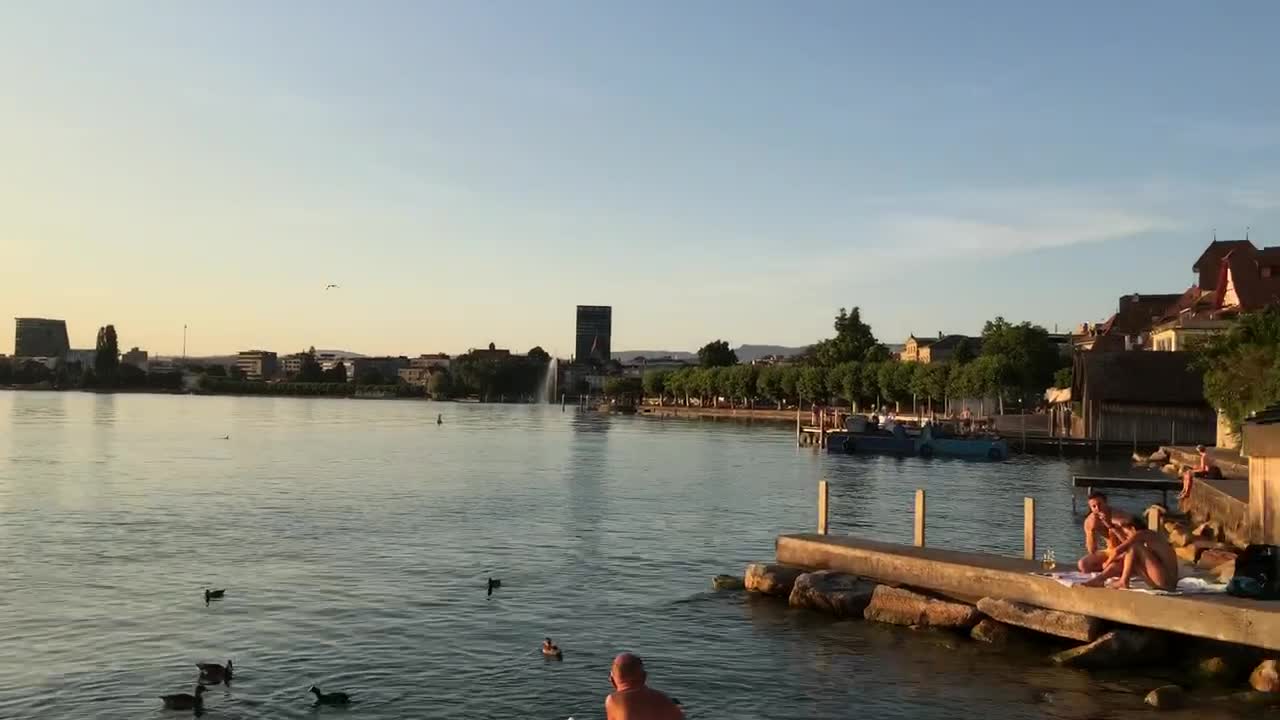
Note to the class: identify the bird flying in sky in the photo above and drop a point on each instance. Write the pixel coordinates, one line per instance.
(329, 286)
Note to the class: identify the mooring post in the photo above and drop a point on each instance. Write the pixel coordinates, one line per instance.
(919, 533)
(1153, 519)
(564, 397)
(1029, 527)
(823, 508)
(1024, 430)
(798, 433)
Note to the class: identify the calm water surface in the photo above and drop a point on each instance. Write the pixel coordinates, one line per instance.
(355, 539)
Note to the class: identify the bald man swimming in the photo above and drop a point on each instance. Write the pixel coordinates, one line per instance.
(631, 699)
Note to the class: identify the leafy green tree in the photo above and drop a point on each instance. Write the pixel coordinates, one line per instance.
(812, 383)
(440, 384)
(740, 381)
(848, 378)
(1031, 359)
(655, 383)
(310, 371)
(789, 382)
(107, 358)
(871, 382)
(537, 353)
(337, 373)
(769, 384)
(717, 353)
(964, 352)
(623, 388)
(852, 341)
(1063, 378)
(216, 370)
(1242, 365)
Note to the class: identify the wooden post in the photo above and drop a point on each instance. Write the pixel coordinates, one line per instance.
(1029, 527)
(1024, 431)
(823, 497)
(1153, 519)
(919, 530)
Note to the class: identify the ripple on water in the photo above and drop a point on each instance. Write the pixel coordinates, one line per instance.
(355, 539)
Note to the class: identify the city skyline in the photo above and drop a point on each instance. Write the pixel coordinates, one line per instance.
(468, 174)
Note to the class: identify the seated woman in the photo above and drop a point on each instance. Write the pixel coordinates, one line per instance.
(1144, 552)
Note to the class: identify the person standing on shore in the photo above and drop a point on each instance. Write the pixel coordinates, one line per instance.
(631, 698)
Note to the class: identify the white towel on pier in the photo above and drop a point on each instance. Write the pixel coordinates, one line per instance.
(1186, 585)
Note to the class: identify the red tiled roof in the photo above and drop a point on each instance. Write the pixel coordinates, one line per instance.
(1252, 290)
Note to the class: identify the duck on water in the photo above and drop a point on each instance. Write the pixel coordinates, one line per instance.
(185, 701)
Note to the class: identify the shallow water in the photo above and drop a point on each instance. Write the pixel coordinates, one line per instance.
(355, 539)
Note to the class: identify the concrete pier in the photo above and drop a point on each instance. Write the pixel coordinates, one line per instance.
(971, 576)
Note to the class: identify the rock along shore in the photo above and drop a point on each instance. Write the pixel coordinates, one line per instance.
(1102, 645)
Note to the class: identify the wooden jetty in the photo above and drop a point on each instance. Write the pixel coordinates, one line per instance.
(970, 576)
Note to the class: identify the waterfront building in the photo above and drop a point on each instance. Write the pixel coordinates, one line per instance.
(1262, 438)
(640, 365)
(40, 337)
(492, 353)
(84, 357)
(1143, 397)
(388, 367)
(258, 364)
(291, 364)
(594, 334)
(936, 350)
(433, 360)
(135, 357)
(419, 375)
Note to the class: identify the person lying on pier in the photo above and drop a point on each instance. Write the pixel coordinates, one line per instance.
(1100, 522)
(1144, 552)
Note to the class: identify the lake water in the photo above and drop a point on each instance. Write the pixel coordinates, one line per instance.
(355, 539)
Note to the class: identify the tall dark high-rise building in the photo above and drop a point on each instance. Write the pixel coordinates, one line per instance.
(40, 337)
(595, 328)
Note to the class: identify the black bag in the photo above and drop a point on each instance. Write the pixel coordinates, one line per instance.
(1261, 564)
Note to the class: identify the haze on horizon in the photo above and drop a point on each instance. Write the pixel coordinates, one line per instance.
(469, 172)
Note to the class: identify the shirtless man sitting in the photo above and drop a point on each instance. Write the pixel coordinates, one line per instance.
(1145, 552)
(1100, 521)
(632, 699)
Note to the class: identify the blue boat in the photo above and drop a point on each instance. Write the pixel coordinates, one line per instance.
(930, 441)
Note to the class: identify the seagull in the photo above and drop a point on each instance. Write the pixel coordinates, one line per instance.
(330, 286)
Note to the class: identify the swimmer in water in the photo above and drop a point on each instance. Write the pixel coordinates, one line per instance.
(632, 699)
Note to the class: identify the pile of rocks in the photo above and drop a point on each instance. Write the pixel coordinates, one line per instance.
(998, 621)
(1203, 547)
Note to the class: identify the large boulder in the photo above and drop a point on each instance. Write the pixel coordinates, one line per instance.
(831, 592)
(1158, 457)
(1050, 622)
(1192, 551)
(1266, 677)
(727, 582)
(1214, 557)
(771, 578)
(904, 607)
(992, 632)
(1122, 647)
(1166, 697)
(1178, 534)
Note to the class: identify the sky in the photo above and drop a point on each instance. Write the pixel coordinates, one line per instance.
(469, 172)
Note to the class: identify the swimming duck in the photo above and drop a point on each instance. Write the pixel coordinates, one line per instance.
(185, 701)
(440, 419)
(334, 698)
(213, 594)
(551, 651)
(494, 585)
(214, 672)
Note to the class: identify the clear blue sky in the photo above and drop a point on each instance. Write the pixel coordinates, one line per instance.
(469, 171)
